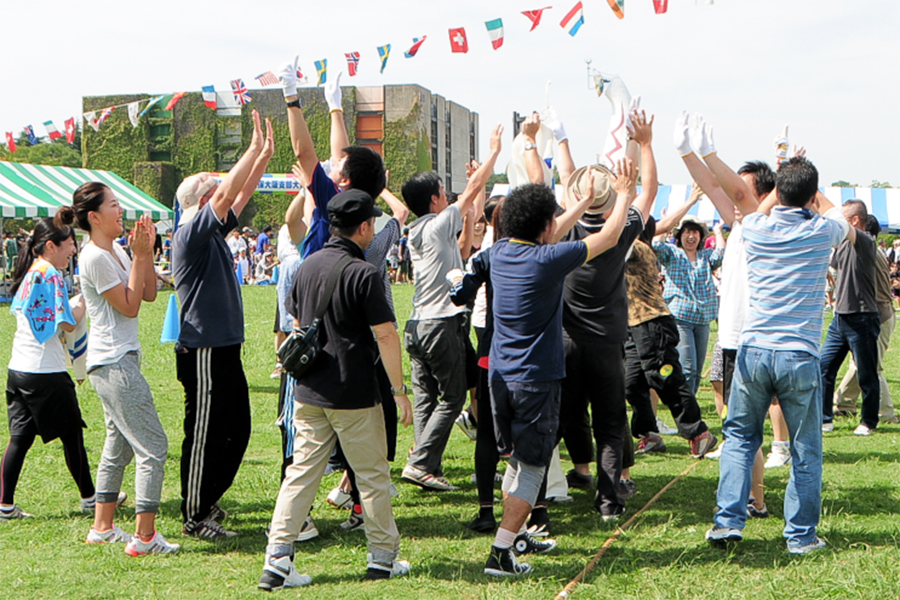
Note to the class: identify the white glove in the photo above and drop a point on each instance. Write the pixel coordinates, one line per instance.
(551, 120)
(781, 145)
(682, 134)
(796, 151)
(455, 279)
(333, 93)
(701, 136)
(287, 75)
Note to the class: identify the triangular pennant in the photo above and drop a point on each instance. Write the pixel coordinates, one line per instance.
(105, 115)
(573, 21)
(29, 133)
(618, 7)
(175, 98)
(52, 131)
(133, 109)
(660, 6)
(10, 141)
(535, 16)
(495, 31)
(70, 130)
(91, 118)
(322, 71)
(417, 43)
(209, 96)
(154, 100)
(383, 53)
(352, 62)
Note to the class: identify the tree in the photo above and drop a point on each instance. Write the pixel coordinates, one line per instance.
(843, 183)
(879, 184)
(57, 153)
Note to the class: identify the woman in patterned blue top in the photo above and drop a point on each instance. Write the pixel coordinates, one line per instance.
(690, 291)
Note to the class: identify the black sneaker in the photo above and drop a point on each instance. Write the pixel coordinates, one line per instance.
(207, 529)
(218, 514)
(502, 563)
(757, 513)
(525, 544)
(483, 523)
(577, 480)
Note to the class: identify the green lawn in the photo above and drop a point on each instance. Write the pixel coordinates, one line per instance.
(662, 556)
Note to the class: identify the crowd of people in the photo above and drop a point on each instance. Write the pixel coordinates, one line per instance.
(580, 308)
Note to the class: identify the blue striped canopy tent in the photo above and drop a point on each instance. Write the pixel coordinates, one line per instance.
(29, 191)
(884, 203)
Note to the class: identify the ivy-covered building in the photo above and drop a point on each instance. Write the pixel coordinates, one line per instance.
(413, 129)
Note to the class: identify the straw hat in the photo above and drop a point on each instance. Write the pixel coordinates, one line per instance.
(604, 194)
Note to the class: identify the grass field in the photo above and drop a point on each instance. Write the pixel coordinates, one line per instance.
(662, 556)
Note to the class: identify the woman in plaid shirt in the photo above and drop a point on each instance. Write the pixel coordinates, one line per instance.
(690, 291)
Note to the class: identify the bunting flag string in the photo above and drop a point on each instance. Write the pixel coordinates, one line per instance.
(352, 63)
(29, 133)
(618, 7)
(458, 41)
(417, 43)
(495, 31)
(133, 110)
(175, 98)
(241, 95)
(267, 78)
(573, 21)
(209, 96)
(52, 131)
(383, 53)
(70, 130)
(535, 16)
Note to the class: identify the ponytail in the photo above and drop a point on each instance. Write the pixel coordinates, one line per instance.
(49, 229)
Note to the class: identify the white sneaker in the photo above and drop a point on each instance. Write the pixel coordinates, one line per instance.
(715, 454)
(88, 504)
(281, 573)
(338, 498)
(157, 545)
(664, 429)
(107, 537)
(8, 514)
(394, 492)
(780, 456)
(467, 425)
(308, 530)
(827, 427)
(814, 545)
(862, 430)
(398, 568)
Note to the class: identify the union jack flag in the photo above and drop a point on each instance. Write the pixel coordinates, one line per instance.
(240, 91)
(352, 62)
(267, 78)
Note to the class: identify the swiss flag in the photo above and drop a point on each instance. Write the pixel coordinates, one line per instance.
(458, 41)
(70, 130)
(10, 142)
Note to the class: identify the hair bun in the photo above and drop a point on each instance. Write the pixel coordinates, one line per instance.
(65, 216)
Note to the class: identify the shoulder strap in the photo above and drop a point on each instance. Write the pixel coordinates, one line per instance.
(325, 300)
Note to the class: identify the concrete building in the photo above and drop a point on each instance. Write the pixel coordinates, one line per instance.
(412, 128)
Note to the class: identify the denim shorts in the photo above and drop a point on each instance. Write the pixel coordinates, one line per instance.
(526, 418)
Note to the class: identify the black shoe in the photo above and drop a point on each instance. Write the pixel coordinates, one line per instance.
(577, 480)
(525, 544)
(483, 523)
(610, 517)
(502, 563)
(626, 488)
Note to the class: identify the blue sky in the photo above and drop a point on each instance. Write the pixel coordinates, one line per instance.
(828, 68)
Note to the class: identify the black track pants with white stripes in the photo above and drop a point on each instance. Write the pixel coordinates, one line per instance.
(216, 425)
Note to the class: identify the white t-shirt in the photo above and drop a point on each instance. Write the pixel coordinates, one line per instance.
(734, 291)
(479, 310)
(112, 334)
(30, 356)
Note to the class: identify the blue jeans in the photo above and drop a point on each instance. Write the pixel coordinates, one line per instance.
(692, 345)
(856, 333)
(795, 379)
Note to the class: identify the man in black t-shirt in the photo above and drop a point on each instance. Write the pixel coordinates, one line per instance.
(595, 327)
(338, 397)
(856, 323)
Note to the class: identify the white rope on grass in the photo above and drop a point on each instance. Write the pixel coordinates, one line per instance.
(570, 587)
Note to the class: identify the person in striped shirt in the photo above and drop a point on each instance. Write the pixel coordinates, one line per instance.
(788, 248)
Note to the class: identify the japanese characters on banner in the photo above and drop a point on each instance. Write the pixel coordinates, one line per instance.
(571, 23)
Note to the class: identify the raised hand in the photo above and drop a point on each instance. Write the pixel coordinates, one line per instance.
(641, 129)
(696, 193)
(496, 144)
(531, 125)
(551, 120)
(701, 136)
(269, 146)
(682, 134)
(625, 182)
(333, 93)
(287, 75)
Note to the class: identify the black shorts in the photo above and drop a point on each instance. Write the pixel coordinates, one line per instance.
(277, 328)
(526, 419)
(42, 404)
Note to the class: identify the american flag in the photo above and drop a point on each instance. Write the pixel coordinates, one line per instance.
(240, 91)
(352, 62)
(266, 78)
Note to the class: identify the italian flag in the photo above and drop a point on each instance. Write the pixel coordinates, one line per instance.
(52, 131)
(495, 30)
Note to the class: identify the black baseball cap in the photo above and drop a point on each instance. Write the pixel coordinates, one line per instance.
(352, 208)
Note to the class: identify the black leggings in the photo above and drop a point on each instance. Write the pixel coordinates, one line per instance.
(14, 458)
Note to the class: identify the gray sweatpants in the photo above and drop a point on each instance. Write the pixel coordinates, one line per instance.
(132, 430)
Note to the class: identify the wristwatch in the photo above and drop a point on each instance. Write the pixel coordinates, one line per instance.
(530, 146)
(296, 103)
(399, 392)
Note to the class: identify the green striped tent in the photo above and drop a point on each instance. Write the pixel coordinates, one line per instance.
(39, 190)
